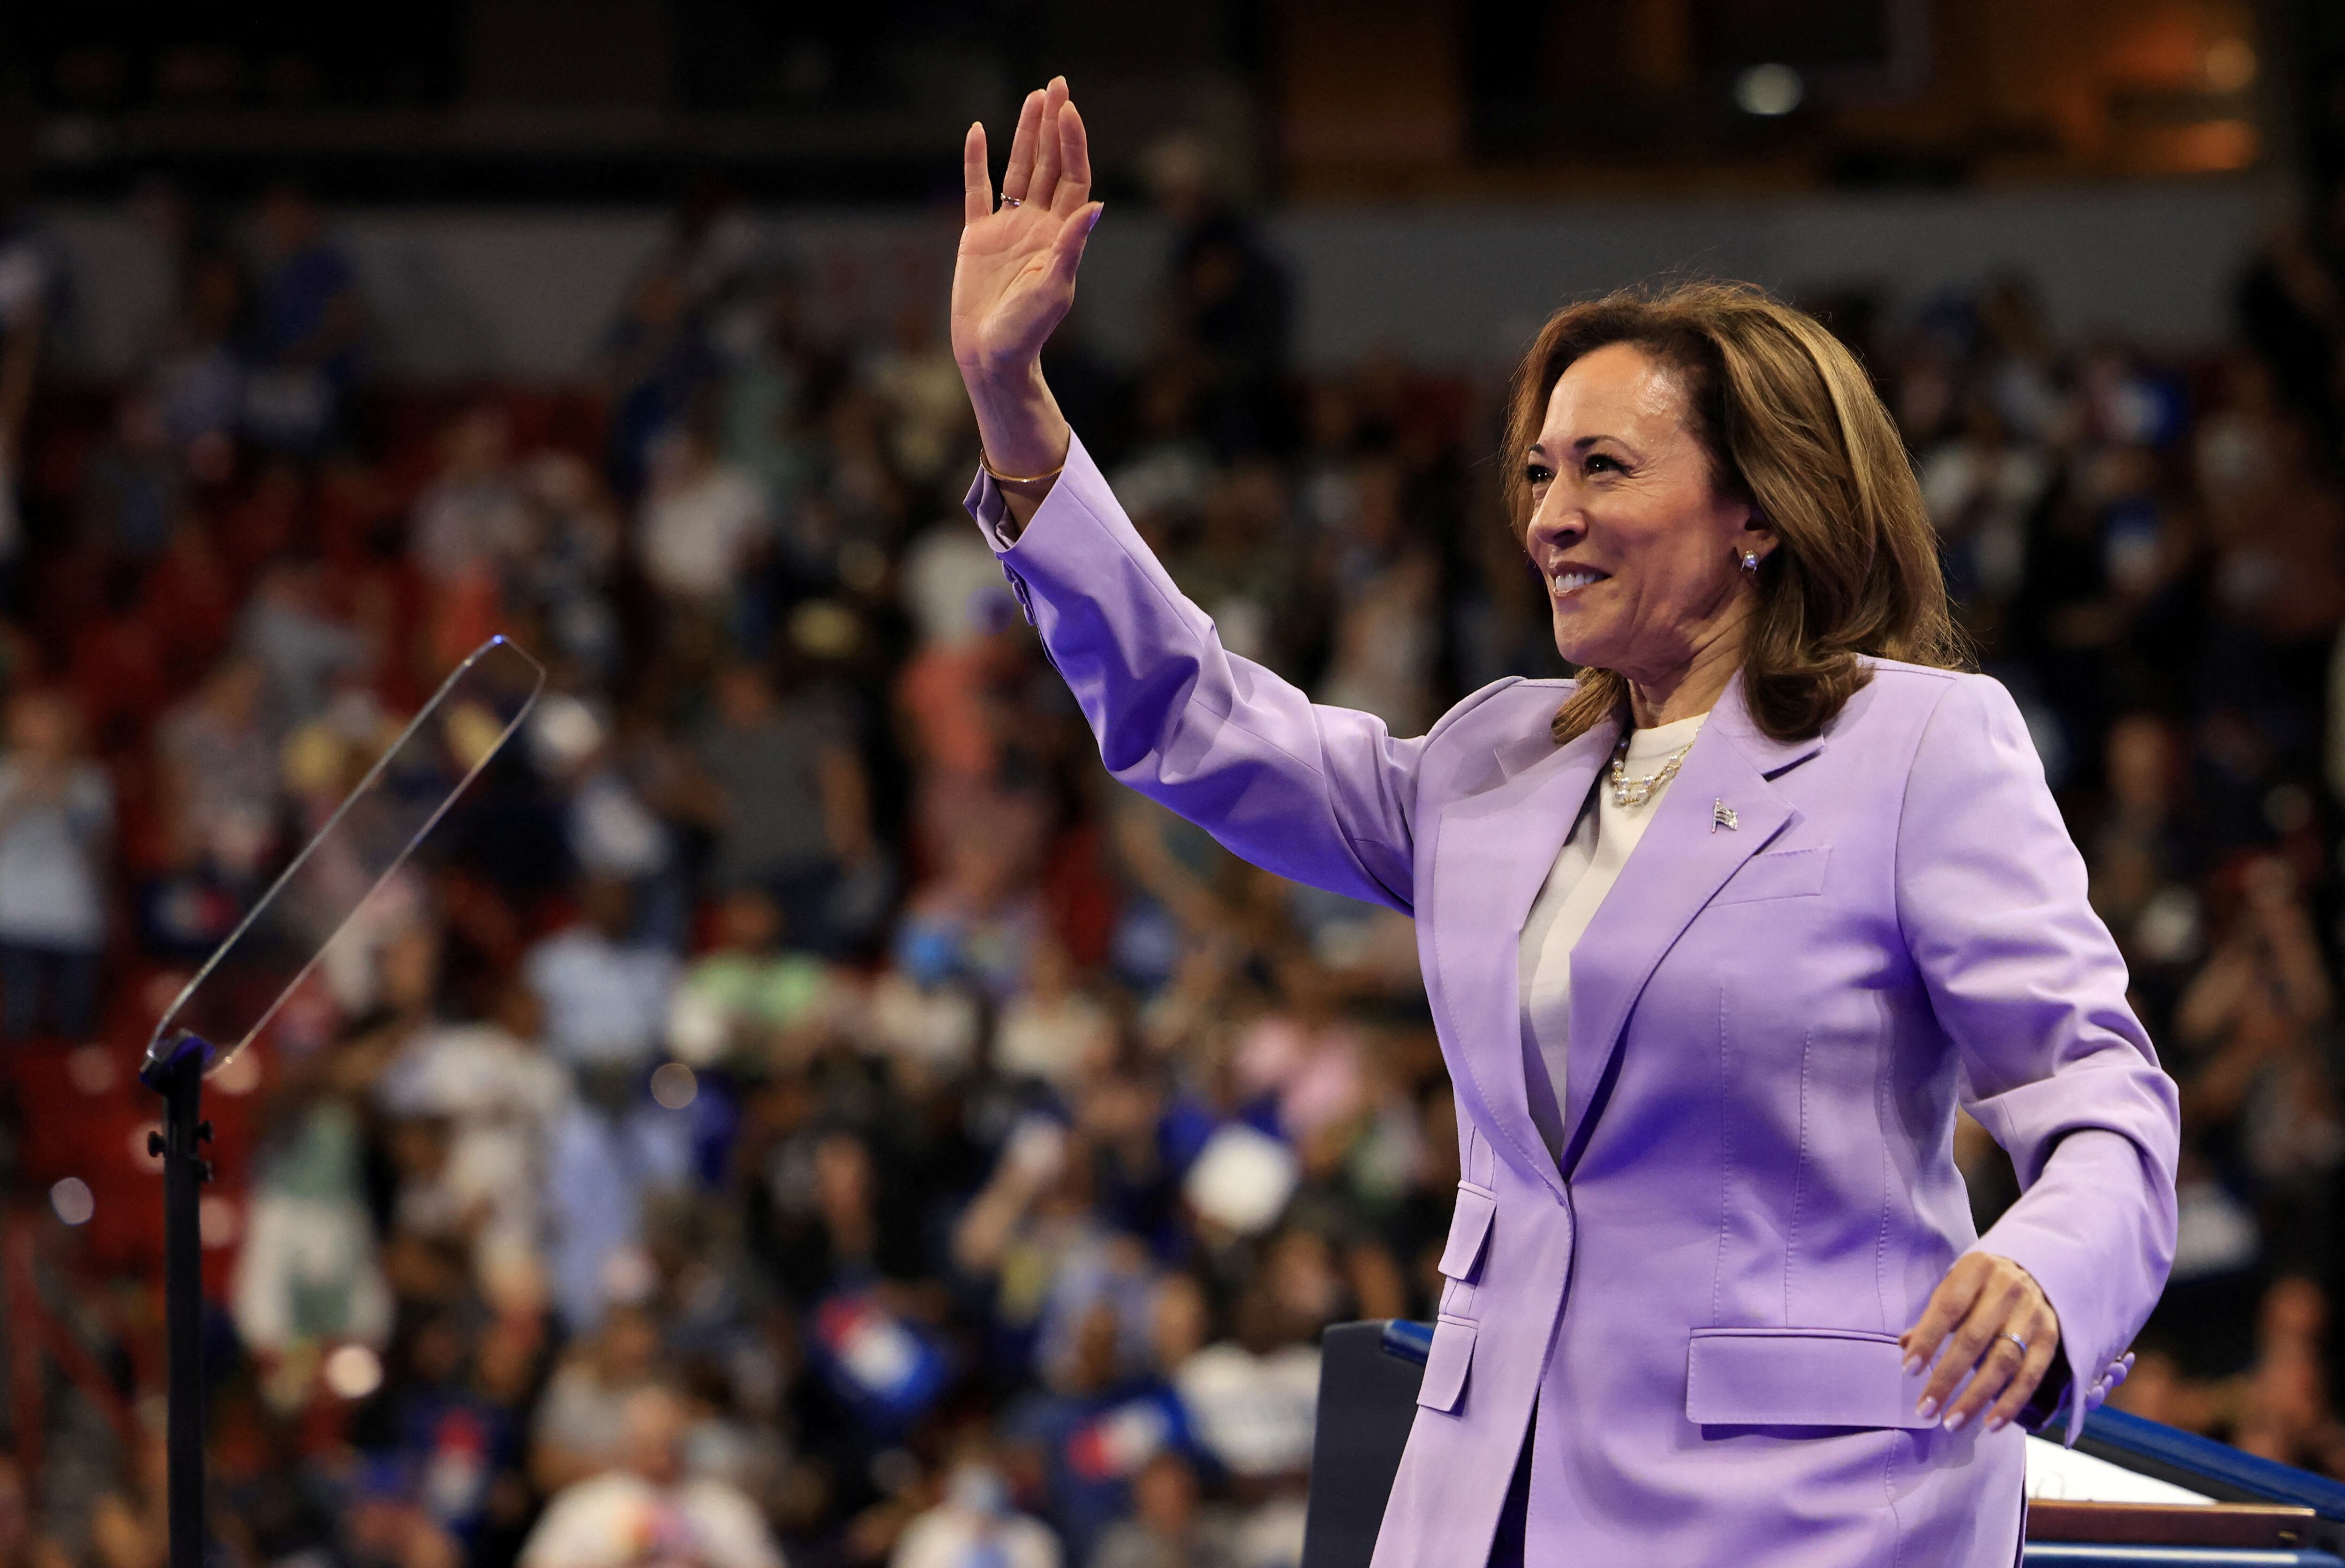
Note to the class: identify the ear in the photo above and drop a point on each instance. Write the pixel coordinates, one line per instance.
(1758, 534)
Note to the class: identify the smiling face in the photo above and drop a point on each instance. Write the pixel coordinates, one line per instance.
(1639, 552)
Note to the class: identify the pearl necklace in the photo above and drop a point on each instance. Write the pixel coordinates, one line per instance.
(1628, 792)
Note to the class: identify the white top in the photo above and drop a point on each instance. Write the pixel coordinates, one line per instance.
(53, 856)
(695, 532)
(1585, 869)
(618, 1518)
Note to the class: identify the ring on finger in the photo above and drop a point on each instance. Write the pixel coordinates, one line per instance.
(1014, 201)
(2014, 1339)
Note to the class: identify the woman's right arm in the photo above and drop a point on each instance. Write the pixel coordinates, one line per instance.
(1323, 795)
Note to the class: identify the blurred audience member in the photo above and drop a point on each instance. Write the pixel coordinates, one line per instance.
(131, 494)
(791, 804)
(26, 285)
(605, 991)
(303, 647)
(1383, 658)
(309, 322)
(749, 1000)
(1053, 1031)
(219, 773)
(701, 520)
(197, 379)
(1168, 1526)
(500, 1098)
(56, 825)
(646, 1508)
(975, 1525)
(582, 1421)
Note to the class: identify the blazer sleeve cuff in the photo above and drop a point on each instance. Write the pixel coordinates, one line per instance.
(992, 513)
(1058, 512)
(987, 505)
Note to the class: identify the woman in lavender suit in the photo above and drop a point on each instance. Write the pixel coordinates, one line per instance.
(1717, 939)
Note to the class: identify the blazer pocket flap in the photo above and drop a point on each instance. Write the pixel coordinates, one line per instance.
(1469, 1230)
(1783, 874)
(1446, 1365)
(1801, 1377)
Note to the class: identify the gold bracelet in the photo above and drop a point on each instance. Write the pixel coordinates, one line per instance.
(1009, 480)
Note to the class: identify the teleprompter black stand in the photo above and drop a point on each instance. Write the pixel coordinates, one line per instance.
(179, 1078)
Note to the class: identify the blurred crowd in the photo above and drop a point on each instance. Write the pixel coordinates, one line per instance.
(796, 1108)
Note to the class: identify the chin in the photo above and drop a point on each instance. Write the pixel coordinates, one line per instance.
(1572, 640)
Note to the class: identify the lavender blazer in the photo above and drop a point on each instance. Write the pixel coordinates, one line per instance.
(1775, 1016)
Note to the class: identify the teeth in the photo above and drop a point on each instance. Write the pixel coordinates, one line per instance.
(1573, 581)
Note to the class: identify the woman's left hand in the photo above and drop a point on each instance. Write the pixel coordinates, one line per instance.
(1979, 1309)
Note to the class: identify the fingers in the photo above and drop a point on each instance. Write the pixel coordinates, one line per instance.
(1948, 1305)
(977, 185)
(1046, 144)
(1993, 1369)
(1067, 249)
(2043, 1346)
(1969, 1345)
(1021, 172)
(1992, 1334)
(1074, 162)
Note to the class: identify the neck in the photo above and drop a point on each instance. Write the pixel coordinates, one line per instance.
(1690, 688)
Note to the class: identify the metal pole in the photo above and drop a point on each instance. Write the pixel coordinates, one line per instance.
(180, 1078)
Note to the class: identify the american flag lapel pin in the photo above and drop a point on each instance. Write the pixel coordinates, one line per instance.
(1721, 815)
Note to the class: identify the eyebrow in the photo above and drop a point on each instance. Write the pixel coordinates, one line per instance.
(1538, 448)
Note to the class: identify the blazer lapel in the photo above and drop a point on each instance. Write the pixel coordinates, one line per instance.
(1721, 810)
(1491, 855)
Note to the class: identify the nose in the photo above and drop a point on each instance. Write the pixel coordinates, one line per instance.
(1555, 523)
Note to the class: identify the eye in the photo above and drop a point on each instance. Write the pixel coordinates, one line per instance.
(1598, 461)
(1538, 473)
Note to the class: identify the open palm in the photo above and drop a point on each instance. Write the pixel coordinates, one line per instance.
(1014, 278)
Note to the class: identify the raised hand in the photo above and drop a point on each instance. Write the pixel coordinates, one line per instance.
(1014, 278)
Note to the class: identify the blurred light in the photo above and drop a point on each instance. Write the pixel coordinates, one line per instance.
(894, 1471)
(240, 1074)
(2229, 65)
(73, 138)
(1768, 90)
(2170, 927)
(2209, 147)
(2289, 809)
(219, 1222)
(563, 732)
(163, 988)
(354, 1371)
(862, 565)
(697, 1030)
(314, 761)
(629, 1276)
(91, 1068)
(471, 731)
(674, 1086)
(825, 629)
(73, 1200)
(1241, 1180)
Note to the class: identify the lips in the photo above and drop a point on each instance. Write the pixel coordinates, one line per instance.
(1566, 582)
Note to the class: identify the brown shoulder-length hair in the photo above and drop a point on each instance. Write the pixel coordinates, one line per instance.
(1792, 426)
